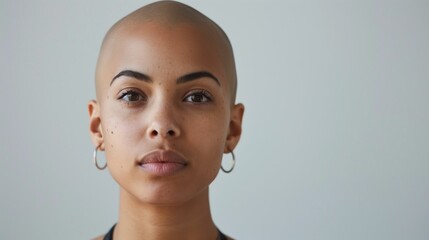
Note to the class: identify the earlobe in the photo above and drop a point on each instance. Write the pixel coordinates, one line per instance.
(235, 129)
(95, 129)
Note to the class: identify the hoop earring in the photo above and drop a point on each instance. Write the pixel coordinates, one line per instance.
(94, 157)
(233, 164)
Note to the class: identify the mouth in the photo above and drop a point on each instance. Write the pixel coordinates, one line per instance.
(162, 163)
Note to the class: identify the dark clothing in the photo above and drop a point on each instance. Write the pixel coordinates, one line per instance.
(109, 235)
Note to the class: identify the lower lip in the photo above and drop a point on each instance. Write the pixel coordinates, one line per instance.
(163, 168)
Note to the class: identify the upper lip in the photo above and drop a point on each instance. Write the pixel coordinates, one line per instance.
(162, 156)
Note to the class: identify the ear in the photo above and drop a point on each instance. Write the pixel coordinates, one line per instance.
(234, 132)
(95, 129)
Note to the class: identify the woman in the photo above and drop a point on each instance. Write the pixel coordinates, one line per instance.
(165, 114)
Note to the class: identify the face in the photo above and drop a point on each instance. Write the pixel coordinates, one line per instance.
(164, 115)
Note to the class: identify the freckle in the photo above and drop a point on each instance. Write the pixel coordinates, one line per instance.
(111, 132)
(122, 166)
(111, 145)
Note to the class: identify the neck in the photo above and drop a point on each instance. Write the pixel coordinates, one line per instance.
(189, 220)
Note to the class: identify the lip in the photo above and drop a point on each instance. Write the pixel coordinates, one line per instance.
(162, 163)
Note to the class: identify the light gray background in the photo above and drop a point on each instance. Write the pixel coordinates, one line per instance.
(336, 129)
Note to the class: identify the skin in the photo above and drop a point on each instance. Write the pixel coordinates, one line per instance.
(196, 118)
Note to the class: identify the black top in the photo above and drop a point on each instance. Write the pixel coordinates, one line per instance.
(109, 235)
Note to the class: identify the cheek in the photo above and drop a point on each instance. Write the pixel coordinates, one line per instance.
(210, 127)
(119, 135)
(207, 136)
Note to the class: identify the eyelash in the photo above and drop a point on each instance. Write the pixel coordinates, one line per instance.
(132, 93)
(199, 92)
(129, 93)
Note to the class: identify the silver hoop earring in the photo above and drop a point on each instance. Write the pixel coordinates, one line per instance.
(232, 166)
(94, 157)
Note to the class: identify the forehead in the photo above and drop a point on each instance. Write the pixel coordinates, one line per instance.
(160, 49)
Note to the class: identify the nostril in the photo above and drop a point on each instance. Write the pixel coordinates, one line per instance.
(171, 133)
(154, 133)
(162, 133)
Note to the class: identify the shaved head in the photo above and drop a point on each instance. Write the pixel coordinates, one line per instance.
(167, 16)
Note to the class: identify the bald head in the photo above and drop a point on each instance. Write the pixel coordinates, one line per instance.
(162, 19)
(167, 12)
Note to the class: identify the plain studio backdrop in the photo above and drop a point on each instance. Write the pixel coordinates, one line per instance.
(336, 128)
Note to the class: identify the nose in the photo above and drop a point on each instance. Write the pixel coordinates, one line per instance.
(158, 130)
(162, 124)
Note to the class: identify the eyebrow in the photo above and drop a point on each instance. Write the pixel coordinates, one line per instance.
(197, 75)
(133, 74)
(183, 79)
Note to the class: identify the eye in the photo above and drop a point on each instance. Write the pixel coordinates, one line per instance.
(198, 96)
(132, 96)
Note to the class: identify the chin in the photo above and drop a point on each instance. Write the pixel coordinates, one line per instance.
(164, 195)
